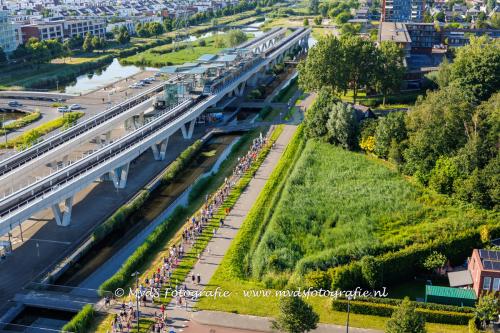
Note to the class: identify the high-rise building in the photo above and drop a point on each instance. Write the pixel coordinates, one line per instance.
(8, 40)
(402, 10)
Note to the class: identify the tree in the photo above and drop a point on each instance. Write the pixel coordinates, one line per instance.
(435, 261)
(350, 29)
(477, 67)
(435, 128)
(405, 319)
(391, 68)
(236, 37)
(3, 57)
(123, 36)
(389, 128)
(360, 62)
(487, 309)
(296, 316)
(342, 126)
(313, 7)
(168, 24)
(87, 43)
(324, 66)
(343, 18)
(318, 20)
(439, 16)
(306, 22)
(155, 29)
(317, 115)
(444, 174)
(219, 42)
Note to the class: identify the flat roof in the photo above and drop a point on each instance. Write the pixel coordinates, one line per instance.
(460, 278)
(207, 57)
(448, 292)
(226, 58)
(393, 31)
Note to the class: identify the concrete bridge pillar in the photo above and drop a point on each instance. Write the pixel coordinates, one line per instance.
(160, 149)
(240, 89)
(63, 216)
(119, 176)
(254, 80)
(187, 133)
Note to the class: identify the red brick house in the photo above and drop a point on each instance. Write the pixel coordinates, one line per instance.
(484, 267)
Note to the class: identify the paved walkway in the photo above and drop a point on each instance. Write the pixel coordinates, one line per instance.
(210, 259)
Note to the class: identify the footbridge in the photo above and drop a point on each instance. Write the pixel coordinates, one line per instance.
(114, 158)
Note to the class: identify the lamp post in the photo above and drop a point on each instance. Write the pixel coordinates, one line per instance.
(348, 311)
(136, 274)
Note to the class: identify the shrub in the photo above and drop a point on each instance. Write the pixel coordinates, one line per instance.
(318, 280)
(81, 321)
(386, 310)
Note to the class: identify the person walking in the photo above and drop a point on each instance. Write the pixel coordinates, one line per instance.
(198, 279)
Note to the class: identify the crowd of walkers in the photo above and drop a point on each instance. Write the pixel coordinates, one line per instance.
(161, 278)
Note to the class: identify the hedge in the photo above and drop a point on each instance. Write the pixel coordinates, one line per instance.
(82, 321)
(25, 140)
(404, 264)
(385, 310)
(21, 122)
(181, 162)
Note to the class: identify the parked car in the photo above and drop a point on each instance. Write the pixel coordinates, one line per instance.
(75, 107)
(14, 103)
(63, 109)
(157, 74)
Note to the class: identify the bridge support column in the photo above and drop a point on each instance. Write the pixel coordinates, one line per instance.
(119, 176)
(187, 133)
(254, 80)
(160, 149)
(240, 89)
(63, 216)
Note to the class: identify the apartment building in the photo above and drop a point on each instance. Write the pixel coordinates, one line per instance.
(402, 10)
(80, 27)
(63, 29)
(8, 40)
(43, 31)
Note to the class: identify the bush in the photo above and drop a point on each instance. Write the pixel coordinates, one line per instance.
(82, 321)
(21, 122)
(386, 310)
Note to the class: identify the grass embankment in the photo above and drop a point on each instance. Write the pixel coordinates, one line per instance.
(32, 136)
(402, 100)
(334, 203)
(20, 123)
(286, 94)
(50, 75)
(170, 231)
(82, 321)
(168, 55)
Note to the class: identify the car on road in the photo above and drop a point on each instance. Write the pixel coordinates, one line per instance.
(63, 109)
(14, 103)
(157, 74)
(75, 107)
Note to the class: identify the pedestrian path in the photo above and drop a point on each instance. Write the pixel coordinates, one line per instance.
(218, 246)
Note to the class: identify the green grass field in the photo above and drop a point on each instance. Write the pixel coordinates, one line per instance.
(333, 203)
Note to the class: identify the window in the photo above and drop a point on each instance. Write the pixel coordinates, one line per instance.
(496, 284)
(486, 283)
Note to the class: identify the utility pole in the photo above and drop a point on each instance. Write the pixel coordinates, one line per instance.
(136, 274)
(348, 311)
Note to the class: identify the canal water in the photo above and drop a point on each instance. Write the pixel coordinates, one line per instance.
(159, 201)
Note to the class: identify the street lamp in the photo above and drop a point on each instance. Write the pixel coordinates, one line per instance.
(348, 311)
(136, 274)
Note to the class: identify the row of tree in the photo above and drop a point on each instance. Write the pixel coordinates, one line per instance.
(448, 141)
(352, 63)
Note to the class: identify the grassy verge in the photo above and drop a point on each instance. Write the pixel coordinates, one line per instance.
(406, 99)
(20, 123)
(32, 136)
(167, 55)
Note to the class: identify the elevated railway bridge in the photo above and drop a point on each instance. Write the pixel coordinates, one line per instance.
(199, 86)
